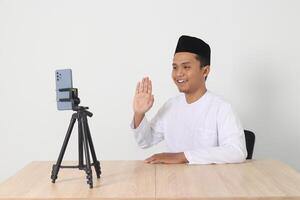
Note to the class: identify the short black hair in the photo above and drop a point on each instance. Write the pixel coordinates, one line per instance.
(203, 62)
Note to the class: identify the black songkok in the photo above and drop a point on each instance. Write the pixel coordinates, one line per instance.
(194, 45)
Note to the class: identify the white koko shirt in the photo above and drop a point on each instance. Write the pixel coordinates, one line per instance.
(207, 131)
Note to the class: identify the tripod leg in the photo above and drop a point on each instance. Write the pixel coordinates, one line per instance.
(96, 162)
(80, 145)
(55, 168)
(87, 154)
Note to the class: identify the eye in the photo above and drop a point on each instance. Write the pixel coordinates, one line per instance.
(174, 67)
(187, 67)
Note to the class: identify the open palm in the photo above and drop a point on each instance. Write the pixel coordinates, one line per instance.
(143, 98)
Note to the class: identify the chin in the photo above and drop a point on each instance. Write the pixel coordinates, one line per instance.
(182, 90)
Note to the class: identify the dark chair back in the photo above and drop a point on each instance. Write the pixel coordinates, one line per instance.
(250, 141)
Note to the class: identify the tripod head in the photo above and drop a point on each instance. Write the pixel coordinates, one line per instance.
(70, 97)
(83, 109)
(74, 99)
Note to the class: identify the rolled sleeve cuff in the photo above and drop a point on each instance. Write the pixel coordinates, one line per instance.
(141, 126)
(192, 160)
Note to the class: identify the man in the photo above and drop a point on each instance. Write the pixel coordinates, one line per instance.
(198, 126)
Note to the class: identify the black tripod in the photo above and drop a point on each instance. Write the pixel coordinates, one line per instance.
(84, 140)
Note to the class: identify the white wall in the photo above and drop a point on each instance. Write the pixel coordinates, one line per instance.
(110, 45)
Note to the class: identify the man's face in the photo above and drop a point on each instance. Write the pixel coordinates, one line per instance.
(187, 74)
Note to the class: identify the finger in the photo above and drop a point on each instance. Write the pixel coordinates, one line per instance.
(151, 158)
(150, 87)
(145, 85)
(137, 88)
(148, 160)
(156, 162)
(141, 87)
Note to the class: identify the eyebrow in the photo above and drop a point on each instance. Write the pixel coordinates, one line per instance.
(183, 63)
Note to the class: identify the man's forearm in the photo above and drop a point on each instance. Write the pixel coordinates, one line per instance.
(138, 119)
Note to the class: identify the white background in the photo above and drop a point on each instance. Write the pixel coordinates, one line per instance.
(110, 45)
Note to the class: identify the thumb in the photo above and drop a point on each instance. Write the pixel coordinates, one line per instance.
(152, 100)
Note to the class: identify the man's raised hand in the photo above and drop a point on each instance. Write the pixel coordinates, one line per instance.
(143, 98)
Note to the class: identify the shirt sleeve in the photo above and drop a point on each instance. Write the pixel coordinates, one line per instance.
(149, 133)
(231, 142)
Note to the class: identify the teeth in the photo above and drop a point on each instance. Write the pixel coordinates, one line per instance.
(180, 81)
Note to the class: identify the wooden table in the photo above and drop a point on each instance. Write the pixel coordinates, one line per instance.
(257, 179)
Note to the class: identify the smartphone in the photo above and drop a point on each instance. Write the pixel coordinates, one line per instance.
(64, 84)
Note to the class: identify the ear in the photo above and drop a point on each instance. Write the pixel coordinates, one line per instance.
(206, 70)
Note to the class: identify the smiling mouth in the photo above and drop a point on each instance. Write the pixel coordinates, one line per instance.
(181, 81)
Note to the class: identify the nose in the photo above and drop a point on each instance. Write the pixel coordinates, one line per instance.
(179, 72)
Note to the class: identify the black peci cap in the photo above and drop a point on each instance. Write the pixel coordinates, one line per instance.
(194, 45)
